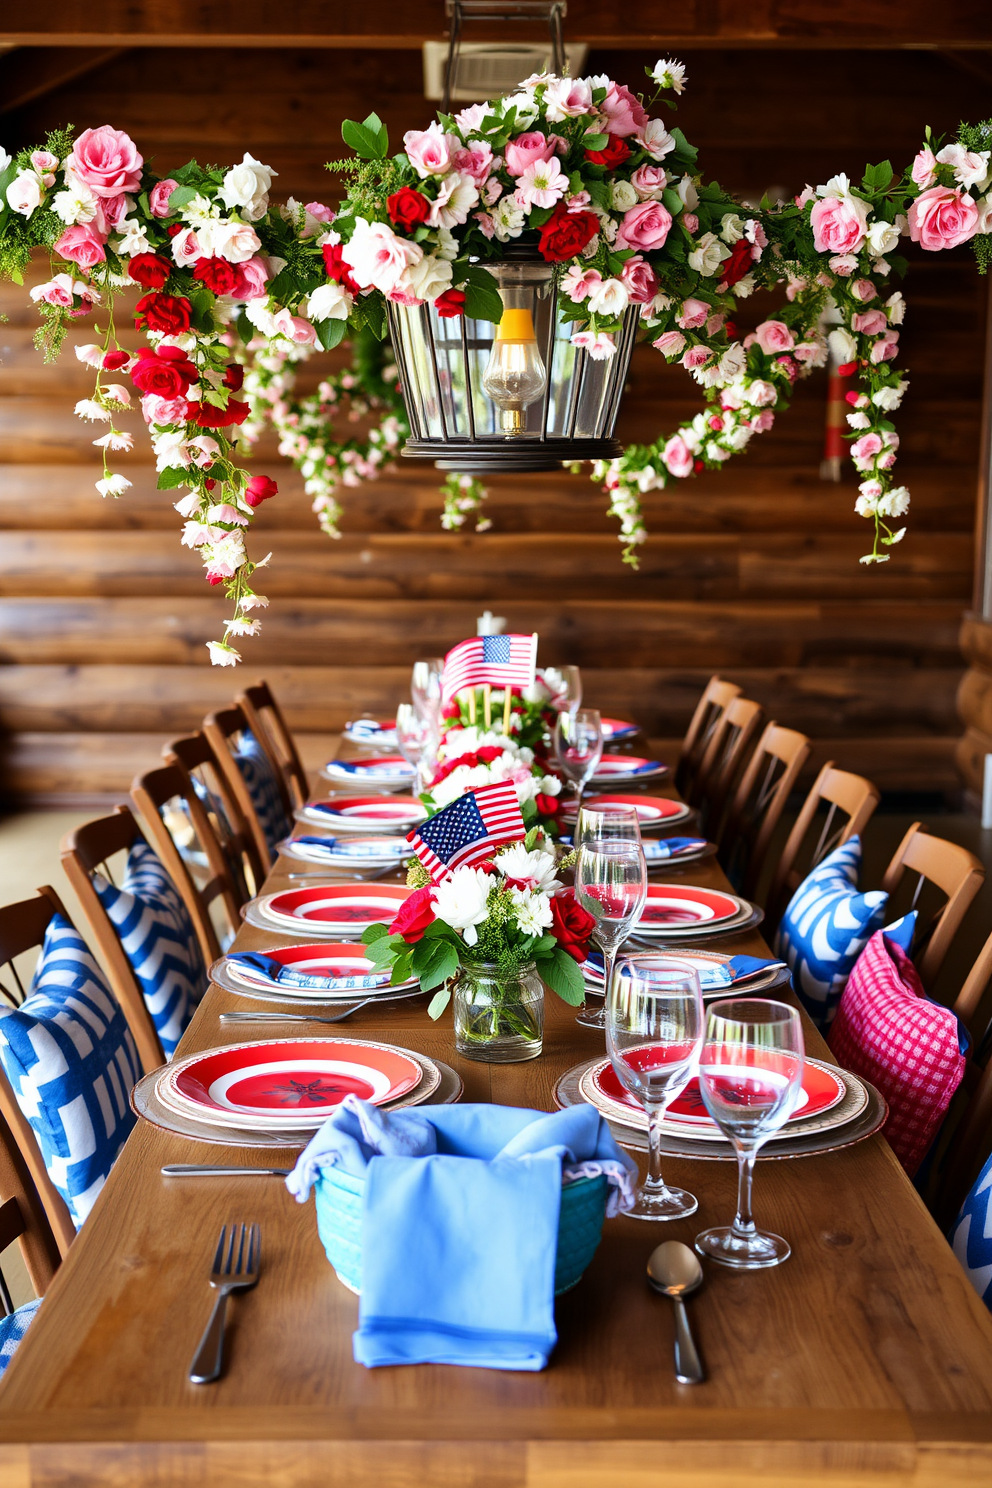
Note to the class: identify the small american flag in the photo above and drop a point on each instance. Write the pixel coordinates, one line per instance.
(499, 660)
(469, 830)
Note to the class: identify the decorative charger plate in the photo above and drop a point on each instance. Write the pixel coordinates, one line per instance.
(338, 910)
(286, 1084)
(349, 853)
(624, 768)
(380, 733)
(363, 813)
(652, 811)
(382, 771)
(766, 981)
(681, 908)
(335, 962)
(657, 860)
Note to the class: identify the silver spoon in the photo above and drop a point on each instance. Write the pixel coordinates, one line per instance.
(675, 1270)
(206, 1170)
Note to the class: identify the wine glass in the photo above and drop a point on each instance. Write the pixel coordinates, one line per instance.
(622, 822)
(654, 1031)
(578, 744)
(567, 684)
(611, 884)
(750, 1078)
(425, 688)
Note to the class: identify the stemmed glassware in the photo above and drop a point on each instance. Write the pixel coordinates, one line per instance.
(425, 688)
(620, 823)
(654, 1031)
(416, 739)
(611, 883)
(750, 1077)
(578, 741)
(569, 693)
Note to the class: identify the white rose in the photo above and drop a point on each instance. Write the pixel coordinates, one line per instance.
(656, 139)
(737, 438)
(732, 228)
(843, 347)
(329, 302)
(761, 394)
(228, 239)
(894, 503)
(608, 299)
(527, 109)
(896, 307)
(377, 257)
(461, 901)
(882, 237)
(733, 362)
(427, 278)
(247, 186)
(76, 203)
(858, 420)
(624, 196)
(24, 193)
(133, 239)
(971, 168)
(508, 219)
(688, 193)
(261, 317)
(890, 398)
(866, 505)
(708, 254)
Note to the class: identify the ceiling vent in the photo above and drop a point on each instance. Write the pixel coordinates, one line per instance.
(488, 69)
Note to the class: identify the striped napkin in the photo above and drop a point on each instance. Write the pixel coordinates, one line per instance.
(660, 849)
(712, 975)
(335, 847)
(287, 976)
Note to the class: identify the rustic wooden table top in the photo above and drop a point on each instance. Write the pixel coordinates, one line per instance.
(865, 1359)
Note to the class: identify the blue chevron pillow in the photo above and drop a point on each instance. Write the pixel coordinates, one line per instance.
(826, 927)
(159, 941)
(70, 1058)
(972, 1235)
(259, 776)
(13, 1329)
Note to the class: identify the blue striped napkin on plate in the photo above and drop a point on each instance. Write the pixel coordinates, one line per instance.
(287, 976)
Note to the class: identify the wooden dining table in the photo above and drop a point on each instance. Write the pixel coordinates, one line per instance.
(865, 1359)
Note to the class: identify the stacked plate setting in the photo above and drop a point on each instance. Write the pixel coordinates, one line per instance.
(616, 729)
(337, 966)
(673, 911)
(334, 911)
(653, 812)
(375, 733)
(712, 967)
(625, 769)
(390, 772)
(363, 814)
(351, 852)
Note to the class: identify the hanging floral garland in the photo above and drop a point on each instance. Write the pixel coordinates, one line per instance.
(612, 197)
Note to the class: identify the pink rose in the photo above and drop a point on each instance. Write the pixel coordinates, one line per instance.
(789, 367)
(867, 447)
(942, 218)
(842, 264)
(645, 226)
(158, 197)
(649, 181)
(924, 171)
(526, 149)
(693, 314)
(763, 421)
(696, 356)
(186, 248)
(773, 336)
(295, 329)
(640, 281)
(57, 291)
(156, 410)
(714, 324)
(863, 290)
(623, 111)
(886, 347)
(430, 151)
(669, 343)
(107, 161)
(690, 222)
(319, 211)
(110, 213)
(839, 224)
(81, 245)
(677, 456)
(869, 322)
(475, 161)
(251, 277)
(579, 284)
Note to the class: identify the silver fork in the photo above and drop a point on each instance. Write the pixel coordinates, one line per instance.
(294, 1017)
(235, 1269)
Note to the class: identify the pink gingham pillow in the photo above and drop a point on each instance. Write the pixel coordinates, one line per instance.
(888, 1030)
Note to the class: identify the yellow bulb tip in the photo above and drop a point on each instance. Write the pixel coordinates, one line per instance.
(516, 325)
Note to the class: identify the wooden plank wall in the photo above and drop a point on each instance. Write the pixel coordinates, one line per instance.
(753, 571)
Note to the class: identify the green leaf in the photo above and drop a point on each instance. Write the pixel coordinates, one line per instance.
(368, 139)
(877, 177)
(688, 152)
(170, 479)
(182, 196)
(372, 933)
(245, 328)
(563, 976)
(483, 300)
(443, 964)
(672, 201)
(438, 1003)
(595, 141)
(331, 333)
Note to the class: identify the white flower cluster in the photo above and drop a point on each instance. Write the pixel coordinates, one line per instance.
(514, 762)
(462, 900)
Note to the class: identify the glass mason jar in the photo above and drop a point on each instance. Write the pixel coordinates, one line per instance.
(499, 1014)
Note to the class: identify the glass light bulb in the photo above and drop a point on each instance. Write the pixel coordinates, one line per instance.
(515, 375)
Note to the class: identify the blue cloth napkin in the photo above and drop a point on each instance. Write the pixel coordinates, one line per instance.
(367, 728)
(712, 974)
(341, 847)
(357, 767)
(460, 1224)
(287, 976)
(646, 768)
(671, 847)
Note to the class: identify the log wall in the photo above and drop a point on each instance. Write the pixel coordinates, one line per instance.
(752, 571)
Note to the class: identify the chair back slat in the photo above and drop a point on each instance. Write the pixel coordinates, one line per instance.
(84, 852)
(723, 760)
(759, 802)
(270, 728)
(222, 729)
(844, 794)
(23, 1217)
(709, 710)
(952, 869)
(194, 754)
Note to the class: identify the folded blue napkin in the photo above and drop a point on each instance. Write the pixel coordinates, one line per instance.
(460, 1224)
(288, 976)
(656, 849)
(647, 768)
(358, 767)
(341, 847)
(368, 727)
(712, 974)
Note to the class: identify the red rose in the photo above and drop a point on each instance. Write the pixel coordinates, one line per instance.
(207, 416)
(167, 313)
(488, 753)
(566, 233)
(571, 926)
(114, 360)
(213, 577)
(149, 269)
(407, 207)
(216, 273)
(615, 154)
(414, 915)
(176, 227)
(259, 489)
(451, 303)
(337, 268)
(547, 805)
(165, 371)
(739, 263)
(234, 377)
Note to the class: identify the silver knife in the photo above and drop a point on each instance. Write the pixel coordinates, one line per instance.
(208, 1170)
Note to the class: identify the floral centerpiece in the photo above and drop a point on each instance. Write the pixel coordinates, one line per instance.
(490, 935)
(471, 756)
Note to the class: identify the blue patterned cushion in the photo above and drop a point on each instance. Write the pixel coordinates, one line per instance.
(13, 1329)
(826, 927)
(259, 776)
(159, 941)
(70, 1058)
(972, 1235)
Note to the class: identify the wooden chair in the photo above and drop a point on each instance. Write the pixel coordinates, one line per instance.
(267, 723)
(757, 806)
(853, 798)
(955, 872)
(709, 710)
(223, 730)
(22, 928)
(153, 792)
(84, 851)
(971, 1140)
(723, 760)
(194, 754)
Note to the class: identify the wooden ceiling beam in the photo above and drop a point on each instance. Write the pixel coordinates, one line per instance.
(27, 73)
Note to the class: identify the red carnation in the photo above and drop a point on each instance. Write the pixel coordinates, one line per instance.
(114, 360)
(337, 268)
(571, 926)
(216, 273)
(165, 371)
(175, 227)
(149, 269)
(547, 805)
(488, 753)
(167, 313)
(234, 377)
(414, 916)
(615, 153)
(408, 208)
(259, 489)
(451, 303)
(566, 233)
(208, 416)
(739, 263)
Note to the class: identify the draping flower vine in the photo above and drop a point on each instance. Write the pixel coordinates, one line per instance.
(612, 197)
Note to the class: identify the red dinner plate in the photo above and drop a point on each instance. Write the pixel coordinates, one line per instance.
(651, 810)
(821, 1090)
(393, 764)
(361, 812)
(352, 906)
(285, 1080)
(618, 728)
(331, 959)
(671, 905)
(625, 765)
